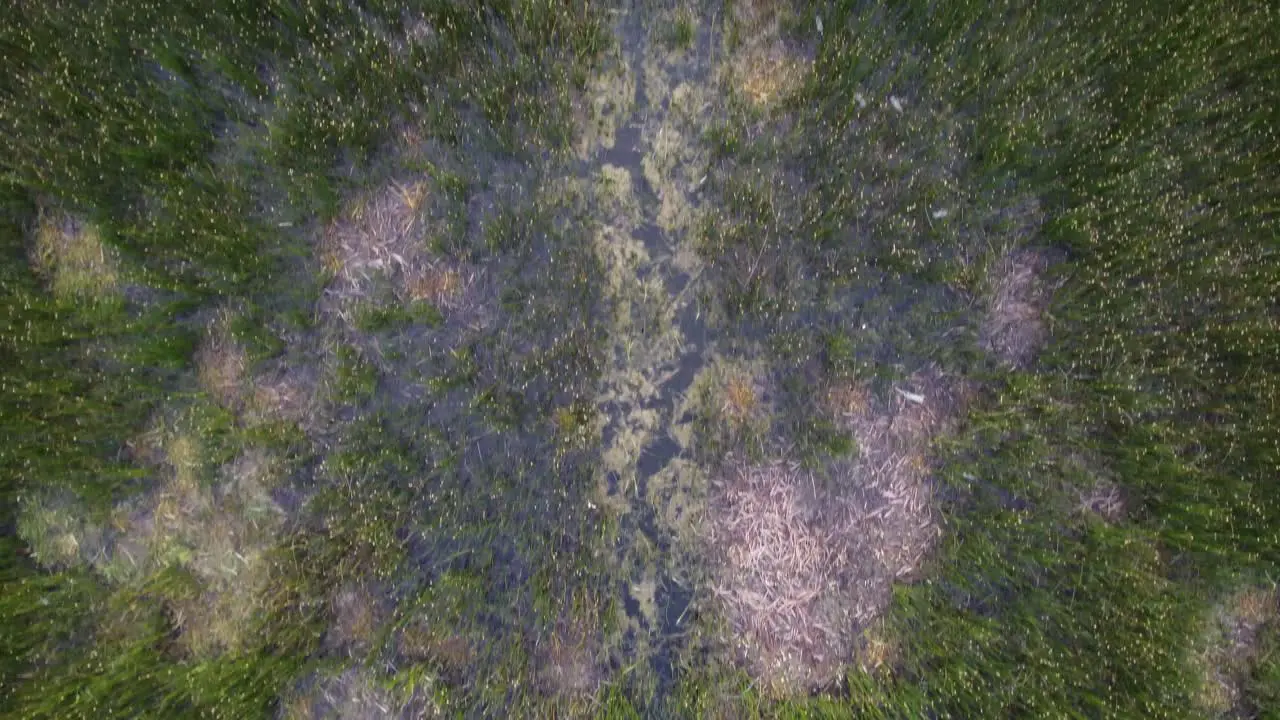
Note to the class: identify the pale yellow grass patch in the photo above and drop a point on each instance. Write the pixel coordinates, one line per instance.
(762, 68)
(218, 619)
(227, 532)
(184, 455)
(217, 523)
(221, 530)
(72, 257)
(54, 531)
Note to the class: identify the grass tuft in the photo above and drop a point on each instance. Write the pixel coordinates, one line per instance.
(741, 398)
(222, 365)
(1014, 327)
(762, 66)
(72, 256)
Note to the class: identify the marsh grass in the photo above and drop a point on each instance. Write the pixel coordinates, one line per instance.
(378, 236)
(56, 532)
(355, 692)
(358, 612)
(683, 30)
(871, 189)
(1263, 684)
(741, 398)
(219, 526)
(1104, 499)
(873, 177)
(733, 409)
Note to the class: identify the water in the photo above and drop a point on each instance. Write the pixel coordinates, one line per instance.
(656, 361)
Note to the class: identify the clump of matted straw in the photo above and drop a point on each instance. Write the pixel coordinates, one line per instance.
(801, 567)
(377, 235)
(775, 565)
(1014, 328)
(381, 237)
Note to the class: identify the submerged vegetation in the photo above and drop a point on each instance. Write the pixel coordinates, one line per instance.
(684, 358)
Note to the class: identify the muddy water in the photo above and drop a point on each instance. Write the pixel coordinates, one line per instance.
(660, 337)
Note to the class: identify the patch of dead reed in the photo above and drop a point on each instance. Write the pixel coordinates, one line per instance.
(803, 565)
(1014, 327)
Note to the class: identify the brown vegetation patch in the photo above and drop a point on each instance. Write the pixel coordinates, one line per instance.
(776, 560)
(1231, 647)
(71, 256)
(218, 619)
(356, 693)
(802, 565)
(1105, 500)
(447, 286)
(357, 613)
(147, 448)
(449, 654)
(378, 236)
(1014, 327)
(761, 67)
(379, 244)
(566, 661)
(221, 364)
(286, 394)
(219, 529)
(847, 400)
(741, 397)
(222, 534)
(764, 77)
